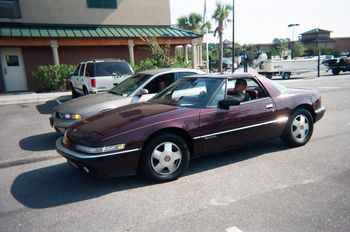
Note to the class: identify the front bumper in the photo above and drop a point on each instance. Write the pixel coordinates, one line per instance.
(60, 125)
(319, 113)
(106, 164)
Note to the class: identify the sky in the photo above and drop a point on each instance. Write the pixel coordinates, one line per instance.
(260, 21)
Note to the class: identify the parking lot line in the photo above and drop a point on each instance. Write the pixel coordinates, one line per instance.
(233, 229)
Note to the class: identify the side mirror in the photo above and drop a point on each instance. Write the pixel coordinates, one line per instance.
(142, 92)
(226, 103)
(70, 74)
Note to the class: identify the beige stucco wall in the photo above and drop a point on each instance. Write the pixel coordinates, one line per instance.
(128, 12)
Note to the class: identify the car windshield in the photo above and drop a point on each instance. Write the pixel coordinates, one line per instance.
(112, 68)
(188, 92)
(128, 86)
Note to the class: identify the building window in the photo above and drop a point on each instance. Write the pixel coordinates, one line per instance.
(107, 4)
(9, 9)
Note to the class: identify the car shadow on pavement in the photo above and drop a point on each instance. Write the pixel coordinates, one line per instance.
(41, 142)
(47, 107)
(60, 184)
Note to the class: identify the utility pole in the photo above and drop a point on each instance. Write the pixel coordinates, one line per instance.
(233, 36)
(293, 25)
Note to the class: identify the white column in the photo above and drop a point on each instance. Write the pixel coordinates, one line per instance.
(131, 51)
(194, 55)
(200, 54)
(186, 53)
(54, 48)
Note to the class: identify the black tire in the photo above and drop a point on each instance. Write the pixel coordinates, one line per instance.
(155, 158)
(335, 71)
(75, 94)
(299, 128)
(286, 75)
(85, 91)
(269, 75)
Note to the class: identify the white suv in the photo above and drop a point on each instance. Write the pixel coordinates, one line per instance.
(96, 76)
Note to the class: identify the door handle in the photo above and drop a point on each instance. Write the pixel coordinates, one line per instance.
(269, 106)
(5, 71)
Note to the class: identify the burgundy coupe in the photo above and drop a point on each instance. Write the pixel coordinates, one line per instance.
(195, 116)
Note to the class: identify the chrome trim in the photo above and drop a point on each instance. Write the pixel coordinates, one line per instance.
(279, 120)
(320, 110)
(71, 153)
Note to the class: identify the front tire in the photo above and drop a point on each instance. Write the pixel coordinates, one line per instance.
(165, 158)
(299, 128)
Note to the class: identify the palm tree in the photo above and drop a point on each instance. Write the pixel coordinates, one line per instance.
(193, 22)
(221, 15)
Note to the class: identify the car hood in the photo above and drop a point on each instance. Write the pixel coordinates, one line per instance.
(92, 104)
(122, 120)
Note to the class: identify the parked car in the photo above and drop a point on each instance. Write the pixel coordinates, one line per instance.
(193, 117)
(140, 87)
(98, 75)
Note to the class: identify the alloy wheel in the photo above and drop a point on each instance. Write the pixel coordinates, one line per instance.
(166, 158)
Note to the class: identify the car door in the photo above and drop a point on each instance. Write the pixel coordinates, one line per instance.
(75, 76)
(248, 122)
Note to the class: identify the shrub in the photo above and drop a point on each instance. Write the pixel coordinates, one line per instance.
(161, 58)
(50, 78)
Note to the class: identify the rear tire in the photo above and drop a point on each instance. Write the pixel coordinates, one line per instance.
(299, 128)
(75, 94)
(286, 75)
(165, 158)
(85, 91)
(335, 71)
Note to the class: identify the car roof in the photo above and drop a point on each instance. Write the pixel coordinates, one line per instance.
(168, 70)
(225, 75)
(104, 60)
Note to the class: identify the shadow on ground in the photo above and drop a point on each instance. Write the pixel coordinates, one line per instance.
(60, 184)
(47, 107)
(41, 142)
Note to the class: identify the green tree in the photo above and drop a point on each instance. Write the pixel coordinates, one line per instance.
(193, 22)
(221, 16)
(298, 49)
(279, 47)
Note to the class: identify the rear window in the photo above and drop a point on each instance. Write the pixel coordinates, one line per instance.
(112, 68)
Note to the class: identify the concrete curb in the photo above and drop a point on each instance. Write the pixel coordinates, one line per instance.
(29, 97)
(17, 162)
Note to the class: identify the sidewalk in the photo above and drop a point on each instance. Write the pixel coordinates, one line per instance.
(28, 97)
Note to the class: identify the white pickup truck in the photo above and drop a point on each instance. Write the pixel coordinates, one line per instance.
(98, 75)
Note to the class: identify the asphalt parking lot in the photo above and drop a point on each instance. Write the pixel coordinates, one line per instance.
(264, 187)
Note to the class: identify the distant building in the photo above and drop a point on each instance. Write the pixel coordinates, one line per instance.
(34, 33)
(316, 39)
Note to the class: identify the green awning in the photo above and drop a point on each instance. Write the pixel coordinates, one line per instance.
(88, 31)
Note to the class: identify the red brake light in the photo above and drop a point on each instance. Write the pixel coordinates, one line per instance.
(93, 83)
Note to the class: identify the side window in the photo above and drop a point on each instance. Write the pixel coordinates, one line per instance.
(81, 72)
(253, 90)
(76, 72)
(89, 72)
(159, 83)
(220, 95)
(184, 74)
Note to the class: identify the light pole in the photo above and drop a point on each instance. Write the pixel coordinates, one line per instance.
(293, 25)
(233, 36)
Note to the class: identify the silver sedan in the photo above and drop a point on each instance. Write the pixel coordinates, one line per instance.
(137, 88)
